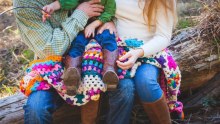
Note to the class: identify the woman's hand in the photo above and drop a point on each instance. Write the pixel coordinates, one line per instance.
(110, 26)
(132, 57)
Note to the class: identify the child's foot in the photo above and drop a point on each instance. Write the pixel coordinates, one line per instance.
(72, 75)
(110, 77)
(109, 69)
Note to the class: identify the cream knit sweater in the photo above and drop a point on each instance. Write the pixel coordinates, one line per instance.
(130, 23)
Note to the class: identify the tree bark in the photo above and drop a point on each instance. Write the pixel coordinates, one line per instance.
(11, 111)
(198, 59)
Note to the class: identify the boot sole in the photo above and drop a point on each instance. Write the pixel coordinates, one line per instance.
(71, 80)
(110, 78)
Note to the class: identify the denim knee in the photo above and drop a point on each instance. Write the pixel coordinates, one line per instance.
(40, 106)
(107, 40)
(124, 91)
(146, 83)
(126, 88)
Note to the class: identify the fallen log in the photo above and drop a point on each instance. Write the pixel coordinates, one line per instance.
(11, 111)
(198, 59)
(211, 90)
(204, 106)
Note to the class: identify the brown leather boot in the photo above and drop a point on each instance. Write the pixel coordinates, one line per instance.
(72, 75)
(109, 69)
(158, 112)
(89, 112)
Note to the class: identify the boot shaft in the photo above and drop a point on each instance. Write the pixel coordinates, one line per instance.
(158, 112)
(73, 62)
(110, 58)
(89, 112)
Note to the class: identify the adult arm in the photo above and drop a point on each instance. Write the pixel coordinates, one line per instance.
(163, 33)
(47, 39)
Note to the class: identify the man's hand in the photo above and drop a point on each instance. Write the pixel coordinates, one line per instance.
(110, 26)
(91, 8)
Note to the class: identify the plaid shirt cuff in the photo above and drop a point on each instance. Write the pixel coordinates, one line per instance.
(81, 16)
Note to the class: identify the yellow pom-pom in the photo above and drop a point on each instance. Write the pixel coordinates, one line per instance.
(95, 97)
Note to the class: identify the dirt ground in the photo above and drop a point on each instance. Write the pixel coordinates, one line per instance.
(11, 48)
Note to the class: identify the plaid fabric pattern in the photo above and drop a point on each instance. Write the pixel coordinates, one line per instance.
(52, 37)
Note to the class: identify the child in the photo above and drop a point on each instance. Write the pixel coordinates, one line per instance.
(73, 60)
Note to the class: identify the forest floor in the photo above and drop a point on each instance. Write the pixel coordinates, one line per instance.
(13, 53)
(15, 57)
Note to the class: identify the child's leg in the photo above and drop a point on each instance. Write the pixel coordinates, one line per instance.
(73, 61)
(78, 45)
(110, 54)
(107, 40)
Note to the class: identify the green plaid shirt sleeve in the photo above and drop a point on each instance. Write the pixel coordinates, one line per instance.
(47, 39)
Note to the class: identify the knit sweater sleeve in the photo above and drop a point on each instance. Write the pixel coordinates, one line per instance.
(163, 33)
(68, 4)
(109, 11)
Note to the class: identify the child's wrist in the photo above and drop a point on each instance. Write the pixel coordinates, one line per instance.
(97, 23)
(100, 22)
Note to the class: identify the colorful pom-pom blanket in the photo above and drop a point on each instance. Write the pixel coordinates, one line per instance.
(47, 73)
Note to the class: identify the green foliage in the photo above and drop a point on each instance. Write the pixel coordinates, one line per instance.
(216, 41)
(6, 86)
(185, 23)
(23, 61)
(28, 54)
(7, 89)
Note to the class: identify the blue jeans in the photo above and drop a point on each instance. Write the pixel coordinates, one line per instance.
(42, 104)
(146, 84)
(106, 40)
(121, 100)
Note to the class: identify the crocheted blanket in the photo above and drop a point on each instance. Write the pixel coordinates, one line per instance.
(47, 73)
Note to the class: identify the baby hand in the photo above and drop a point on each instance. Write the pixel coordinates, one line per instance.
(110, 26)
(90, 30)
(47, 11)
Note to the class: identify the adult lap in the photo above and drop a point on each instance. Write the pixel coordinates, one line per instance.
(146, 84)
